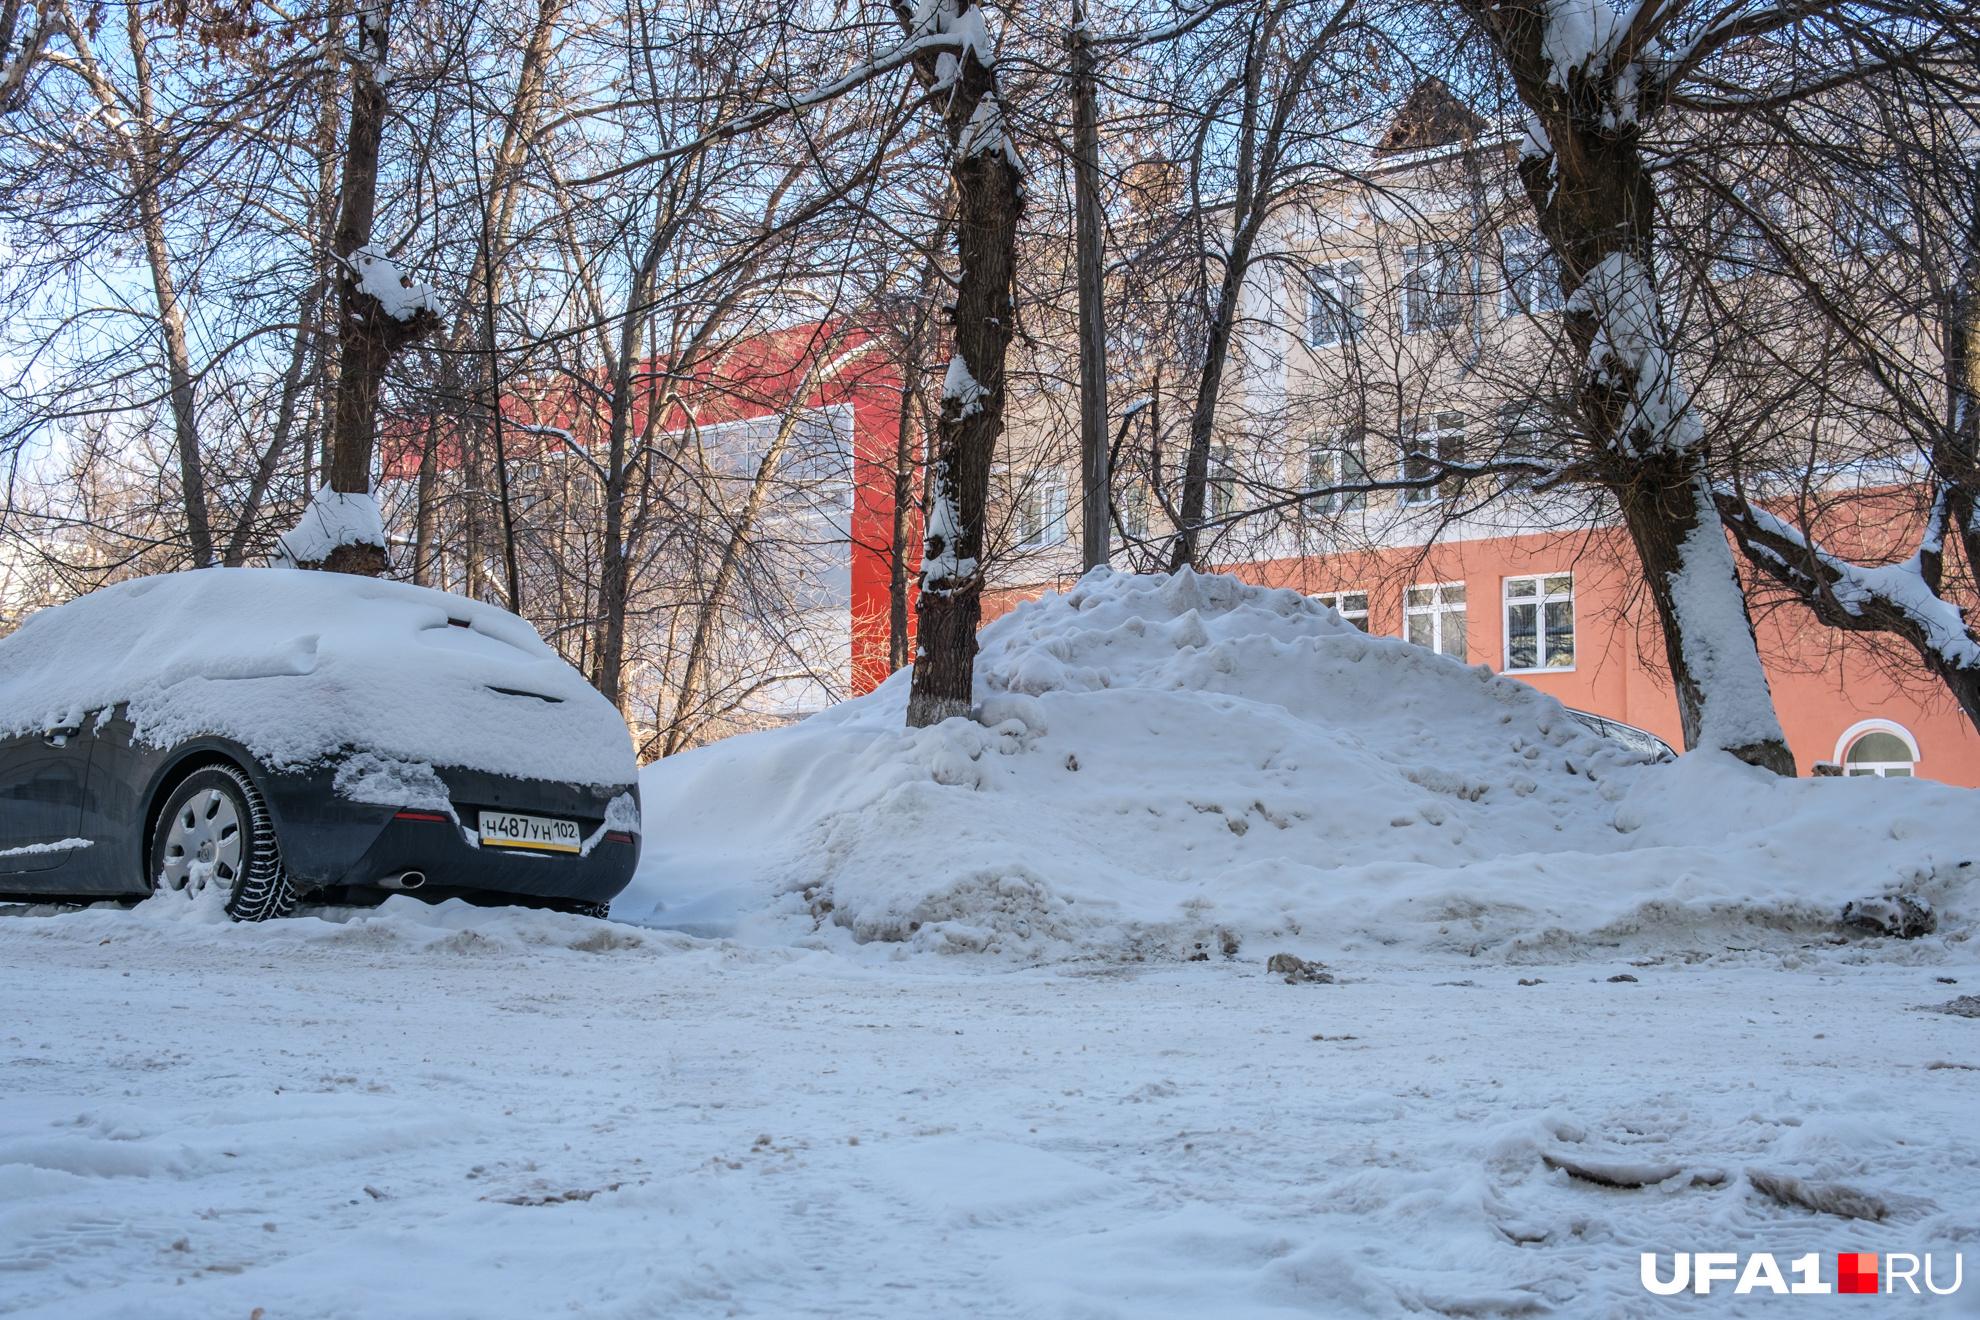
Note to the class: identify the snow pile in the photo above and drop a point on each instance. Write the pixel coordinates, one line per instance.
(1176, 767)
(296, 667)
(333, 518)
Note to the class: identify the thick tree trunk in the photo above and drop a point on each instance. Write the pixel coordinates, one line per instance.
(1597, 205)
(1708, 636)
(1096, 480)
(951, 602)
(984, 170)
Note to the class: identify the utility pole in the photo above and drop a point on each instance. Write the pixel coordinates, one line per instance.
(1095, 480)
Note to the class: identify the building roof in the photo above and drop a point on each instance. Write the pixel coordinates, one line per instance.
(1431, 116)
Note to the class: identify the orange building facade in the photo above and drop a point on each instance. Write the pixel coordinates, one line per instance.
(1560, 613)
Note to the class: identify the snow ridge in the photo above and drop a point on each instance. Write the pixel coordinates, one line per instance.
(1159, 763)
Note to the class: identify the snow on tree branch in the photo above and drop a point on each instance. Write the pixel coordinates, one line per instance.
(397, 293)
(333, 518)
(1901, 587)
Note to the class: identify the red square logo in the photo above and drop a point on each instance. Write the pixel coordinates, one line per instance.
(1856, 1272)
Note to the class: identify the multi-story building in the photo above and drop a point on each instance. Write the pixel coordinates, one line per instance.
(1415, 314)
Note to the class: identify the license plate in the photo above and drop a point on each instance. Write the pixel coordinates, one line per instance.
(509, 829)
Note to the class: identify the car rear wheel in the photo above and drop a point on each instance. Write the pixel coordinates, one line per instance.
(215, 830)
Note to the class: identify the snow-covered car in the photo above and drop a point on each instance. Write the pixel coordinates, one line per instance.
(284, 733)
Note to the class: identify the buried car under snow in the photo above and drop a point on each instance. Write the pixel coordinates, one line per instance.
(283, 733)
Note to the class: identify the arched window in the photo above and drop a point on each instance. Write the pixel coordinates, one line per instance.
(1879, 752)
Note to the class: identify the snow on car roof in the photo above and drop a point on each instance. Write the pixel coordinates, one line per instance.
(295, 665)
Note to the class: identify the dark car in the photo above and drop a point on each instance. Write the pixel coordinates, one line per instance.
(284, 733)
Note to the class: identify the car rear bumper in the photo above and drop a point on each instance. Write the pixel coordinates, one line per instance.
(331, 842)
(449, 860)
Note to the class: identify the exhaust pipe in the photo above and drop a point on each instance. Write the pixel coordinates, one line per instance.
(404, 880)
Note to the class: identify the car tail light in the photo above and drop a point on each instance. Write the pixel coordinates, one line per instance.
(617, 836)
(421, 815)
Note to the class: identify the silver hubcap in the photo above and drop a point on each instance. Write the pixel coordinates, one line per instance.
(203, 843)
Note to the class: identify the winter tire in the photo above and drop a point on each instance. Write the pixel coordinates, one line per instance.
(215, 830)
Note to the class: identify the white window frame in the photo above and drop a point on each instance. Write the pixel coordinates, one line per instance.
(1442, 294)
(1427, 435)
(1048, 488)
(1521, 436)
(1220, 481)
(1338, 601)
(1892, 727)
(1337, 458)
(1134, 502)
(1341, 285)
(1539, 600)
(1438, 609)
(1526, 258)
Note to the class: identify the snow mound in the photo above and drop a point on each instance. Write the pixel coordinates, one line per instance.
(296, 667)
(1188, 766)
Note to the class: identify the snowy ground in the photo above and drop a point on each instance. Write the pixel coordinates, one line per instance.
(977, 1020)
(425, 1112)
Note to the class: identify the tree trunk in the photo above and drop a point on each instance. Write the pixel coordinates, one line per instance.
(368, 336)
(1096, 480)
(1261, 181)
(178, 366)
(984, 170)
(1956, 465)
(138, 145)
(907, 441)
(1203, 417)
(1597, 206)
(497, 216)
(1949, 649)
(1843, 597)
